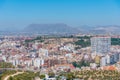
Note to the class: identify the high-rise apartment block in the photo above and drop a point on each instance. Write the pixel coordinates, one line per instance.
(100, 45)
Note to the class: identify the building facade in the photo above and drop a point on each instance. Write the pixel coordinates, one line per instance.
(100, 45)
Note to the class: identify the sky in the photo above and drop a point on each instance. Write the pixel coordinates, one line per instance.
(17, 14)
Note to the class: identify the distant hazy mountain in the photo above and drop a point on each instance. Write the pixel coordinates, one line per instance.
(100, 29)
(50, 28)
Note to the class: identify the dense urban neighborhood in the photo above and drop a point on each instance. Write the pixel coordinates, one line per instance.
(75, 57)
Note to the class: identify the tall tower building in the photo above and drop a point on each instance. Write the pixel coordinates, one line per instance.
(100, 45)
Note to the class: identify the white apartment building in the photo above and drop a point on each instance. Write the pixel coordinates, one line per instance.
(43, 52)
(38, 62)
(100, 45)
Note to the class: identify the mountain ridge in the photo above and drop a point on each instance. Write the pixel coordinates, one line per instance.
(51, 28)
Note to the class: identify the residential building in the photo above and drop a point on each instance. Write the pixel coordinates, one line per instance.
(100, 45)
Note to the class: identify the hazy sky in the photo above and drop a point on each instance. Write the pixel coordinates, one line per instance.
(20, 13)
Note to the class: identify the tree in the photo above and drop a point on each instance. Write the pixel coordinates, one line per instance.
(42, 76)
(11, 78)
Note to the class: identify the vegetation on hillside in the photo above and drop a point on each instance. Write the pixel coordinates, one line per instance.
(6, 65)
(85, 41)
(92, 75)
(81, 64)
(115, 41)
(6, 73)
(39, 39)
(25, 76)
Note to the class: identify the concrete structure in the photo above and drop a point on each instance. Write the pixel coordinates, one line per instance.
(38, 62)
(43, 52)
(112, 59)
(103, 61)
(107, 59)
(119, 56)
(100, 45)
(116, 57)
(93, 65)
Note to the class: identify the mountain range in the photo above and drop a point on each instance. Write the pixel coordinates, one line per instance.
(51, 28)
(61, 28)
(64, 28)
(111, 29)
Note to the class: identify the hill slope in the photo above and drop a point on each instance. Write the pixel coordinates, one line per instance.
(50, 28)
